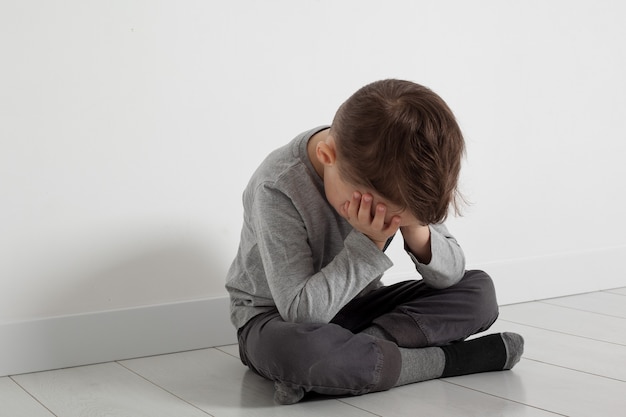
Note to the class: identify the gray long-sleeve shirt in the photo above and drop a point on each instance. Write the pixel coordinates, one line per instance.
(297, 254)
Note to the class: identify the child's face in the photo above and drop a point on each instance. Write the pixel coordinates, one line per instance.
(340, 192)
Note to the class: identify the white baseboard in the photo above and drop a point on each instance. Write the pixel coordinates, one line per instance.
(58, 342)
(65, 341)
(538, 278)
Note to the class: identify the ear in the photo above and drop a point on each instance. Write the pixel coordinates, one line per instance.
(325, 152)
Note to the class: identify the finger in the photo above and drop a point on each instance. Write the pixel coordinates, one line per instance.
(354, 204)
(393, 226)
(378, 223)
(365, 210)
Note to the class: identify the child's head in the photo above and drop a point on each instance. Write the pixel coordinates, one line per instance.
(401, 140)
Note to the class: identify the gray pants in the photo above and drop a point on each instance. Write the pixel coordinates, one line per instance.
(335, 358)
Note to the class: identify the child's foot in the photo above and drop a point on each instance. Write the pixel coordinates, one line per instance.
(284, 394)
(514, 344)
(494, 352)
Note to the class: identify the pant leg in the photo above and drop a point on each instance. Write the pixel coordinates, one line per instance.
(323, 358)
(416, 315)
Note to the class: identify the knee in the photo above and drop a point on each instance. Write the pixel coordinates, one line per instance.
(293, 348)
(483, 294)
(314, 355)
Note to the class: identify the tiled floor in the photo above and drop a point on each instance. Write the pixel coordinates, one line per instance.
(574, 365)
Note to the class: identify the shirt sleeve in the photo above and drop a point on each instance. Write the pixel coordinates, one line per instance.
(301, 293)
(447, 265)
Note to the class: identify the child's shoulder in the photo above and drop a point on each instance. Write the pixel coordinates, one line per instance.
(288, 162)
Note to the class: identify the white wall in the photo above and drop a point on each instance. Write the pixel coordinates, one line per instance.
(128, 130)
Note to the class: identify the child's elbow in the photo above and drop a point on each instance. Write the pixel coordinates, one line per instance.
(441, 281)
(302, 313)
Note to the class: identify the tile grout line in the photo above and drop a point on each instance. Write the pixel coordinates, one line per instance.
(580, 309)
(334, 399)
(358, 408)
(576, 370)
(446, 380)
(32, 396)
(229, 354)
(162, 388)
(560, 332)
(613, 291)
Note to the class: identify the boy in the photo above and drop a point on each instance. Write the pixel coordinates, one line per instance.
(306, 296)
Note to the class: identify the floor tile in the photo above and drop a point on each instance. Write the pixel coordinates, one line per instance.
(220, 385)
(15, 402)
(232, 350)
(573, 365)
(621, 291)
(597, 302)
(440, 399)
(567, 320)
(548, 387)
(103, 390)
(574, 352)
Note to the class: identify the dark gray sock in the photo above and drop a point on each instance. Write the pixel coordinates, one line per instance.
(378, 332)
(495, 352)
(514, 344)
(286, 394)
(421, 364)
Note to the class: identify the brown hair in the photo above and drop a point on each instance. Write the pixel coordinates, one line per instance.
(401, 140)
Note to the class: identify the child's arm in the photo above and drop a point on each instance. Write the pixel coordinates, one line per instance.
(369, 220)
(417, 242)
(446, 264)
(302, 290)
(435, 252)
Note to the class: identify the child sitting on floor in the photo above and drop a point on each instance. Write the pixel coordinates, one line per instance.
(305, 286)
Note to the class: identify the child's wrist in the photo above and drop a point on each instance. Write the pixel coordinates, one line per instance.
(417, 239)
